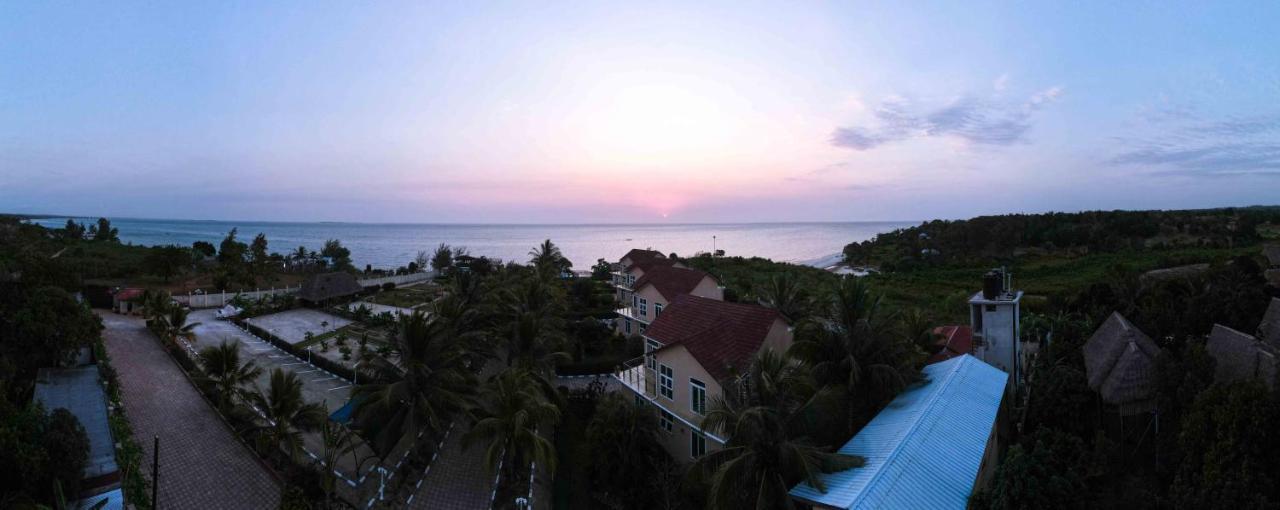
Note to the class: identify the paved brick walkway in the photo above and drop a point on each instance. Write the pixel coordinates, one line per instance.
(457, 480)
(201, 463)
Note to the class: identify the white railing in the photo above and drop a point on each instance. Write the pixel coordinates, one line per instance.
(635, 375)
(218, 299)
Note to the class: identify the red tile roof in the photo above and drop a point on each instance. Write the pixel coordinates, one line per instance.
(670, 281)
(129, 294)
(953, 341)
(719, 335)
(638, 256)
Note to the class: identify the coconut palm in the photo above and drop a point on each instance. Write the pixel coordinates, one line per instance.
(547, 258)
(784, 293)
(286, 415)
(507, 423)
(764, 455)
(230, 377)
(421, 391)
(857, 360)
(338, 440)
(173, 325)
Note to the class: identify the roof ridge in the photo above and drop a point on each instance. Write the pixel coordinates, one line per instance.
(915, 424)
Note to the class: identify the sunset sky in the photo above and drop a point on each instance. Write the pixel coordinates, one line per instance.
(635, 112)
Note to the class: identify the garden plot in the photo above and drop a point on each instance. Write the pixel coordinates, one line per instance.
(292, 326)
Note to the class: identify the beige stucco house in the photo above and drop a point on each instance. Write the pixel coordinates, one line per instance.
(693, 349)
(647, 281)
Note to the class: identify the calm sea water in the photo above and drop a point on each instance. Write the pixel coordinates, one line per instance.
(393, 245)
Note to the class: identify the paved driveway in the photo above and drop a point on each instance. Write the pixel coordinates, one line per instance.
(201, 464)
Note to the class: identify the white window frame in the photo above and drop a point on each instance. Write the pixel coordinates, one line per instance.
(631, 280)
(627, 322)
(635, 301)
(644, 307)
(666, 420)
(697, 397)
(657, 309)
(666, 382)
(697, 444)
(651, 360)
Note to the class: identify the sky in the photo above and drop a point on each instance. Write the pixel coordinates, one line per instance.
(635, 112)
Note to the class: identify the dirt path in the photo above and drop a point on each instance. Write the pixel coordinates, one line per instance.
(201, 463)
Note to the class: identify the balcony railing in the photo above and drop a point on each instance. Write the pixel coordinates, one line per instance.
(626, 312)
(637, 376)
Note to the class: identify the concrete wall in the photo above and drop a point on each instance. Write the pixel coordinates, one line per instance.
(216, 300)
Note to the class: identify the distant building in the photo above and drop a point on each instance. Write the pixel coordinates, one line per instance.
(127, 300)
(931, 447)
(79, 391)
(953, 341)
(693, 350)
(326, 288)
(995, 315)
(1240, 356)
(1120, 361)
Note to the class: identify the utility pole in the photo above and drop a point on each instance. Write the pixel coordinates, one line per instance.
(713, 247)
(155, 473)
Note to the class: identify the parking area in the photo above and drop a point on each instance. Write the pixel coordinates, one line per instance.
(318, 386)
(292, 326)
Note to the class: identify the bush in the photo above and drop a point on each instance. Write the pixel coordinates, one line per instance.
(389, 286)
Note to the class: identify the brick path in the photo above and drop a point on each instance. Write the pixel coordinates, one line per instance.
(201, 463)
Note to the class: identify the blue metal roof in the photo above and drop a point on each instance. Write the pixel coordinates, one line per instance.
(924, 449)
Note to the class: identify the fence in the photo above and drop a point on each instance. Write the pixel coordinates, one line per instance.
(218, 299)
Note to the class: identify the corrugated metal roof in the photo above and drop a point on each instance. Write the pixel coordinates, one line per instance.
(924, 449)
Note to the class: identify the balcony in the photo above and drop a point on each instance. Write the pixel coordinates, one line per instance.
(627, 313)
(638, 377)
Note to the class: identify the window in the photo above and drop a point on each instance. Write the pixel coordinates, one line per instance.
(657, 309)
(651, 360)
(643, 327)
(631, 279)
(666, 421)
(697, 444)
(635, 301)
(697, 397)
(666, 379)
(644, 307)
(628, 326)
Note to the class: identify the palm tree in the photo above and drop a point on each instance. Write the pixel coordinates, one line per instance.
(764, 455)
(547, 258)
(286, 414)
(785, 294)
(428, 383)
(174, 325)
(337, 440)
(852, 353)
(508, 420)
(228, 375)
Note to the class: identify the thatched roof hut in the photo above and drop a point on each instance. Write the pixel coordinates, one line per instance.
(1241, 356)
(1121, 365)
(327, 286)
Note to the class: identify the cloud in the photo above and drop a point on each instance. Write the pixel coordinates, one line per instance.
(982, 121)
(1181, 141)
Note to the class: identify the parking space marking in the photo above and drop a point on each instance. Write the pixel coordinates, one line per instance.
(307, 371)
(340, 387)
(325, 379)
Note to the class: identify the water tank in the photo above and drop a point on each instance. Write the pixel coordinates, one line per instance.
(992, 284)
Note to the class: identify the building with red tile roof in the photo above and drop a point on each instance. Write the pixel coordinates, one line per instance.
(953, 341)
(693, 350)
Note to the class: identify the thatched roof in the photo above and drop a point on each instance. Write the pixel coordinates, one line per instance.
(1269, 328)
(1240, 356)
(325, 286)
(1121, 365)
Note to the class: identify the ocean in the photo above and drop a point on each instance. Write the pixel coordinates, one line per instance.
(392, 245)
